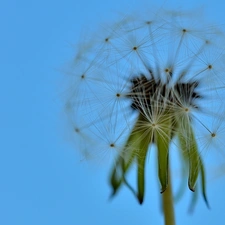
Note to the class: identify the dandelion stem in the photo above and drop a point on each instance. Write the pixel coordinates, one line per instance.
(168, 209)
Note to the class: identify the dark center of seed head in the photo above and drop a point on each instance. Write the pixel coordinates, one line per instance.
(144, 93)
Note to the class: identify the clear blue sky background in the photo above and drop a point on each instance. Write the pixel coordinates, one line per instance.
(42, 179)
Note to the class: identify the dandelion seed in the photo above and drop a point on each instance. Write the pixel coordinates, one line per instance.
(151, 82)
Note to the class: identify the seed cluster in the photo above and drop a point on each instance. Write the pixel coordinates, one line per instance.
(154, 80)
(145, 90)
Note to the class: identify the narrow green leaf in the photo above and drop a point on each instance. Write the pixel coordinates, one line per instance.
(203, 189)
(116, 174)
(127, 156)
(188, 144)
(203, 186)
(163, 138)
(143, 149)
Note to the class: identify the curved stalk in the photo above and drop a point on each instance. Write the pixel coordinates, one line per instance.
(167, 200)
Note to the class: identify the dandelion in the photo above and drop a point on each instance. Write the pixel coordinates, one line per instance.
(152, 80)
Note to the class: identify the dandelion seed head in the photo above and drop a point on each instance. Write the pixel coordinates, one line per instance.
(144, 74)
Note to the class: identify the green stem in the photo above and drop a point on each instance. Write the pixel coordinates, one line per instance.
(168, 208)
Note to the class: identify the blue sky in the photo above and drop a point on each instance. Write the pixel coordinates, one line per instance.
(43, 180)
